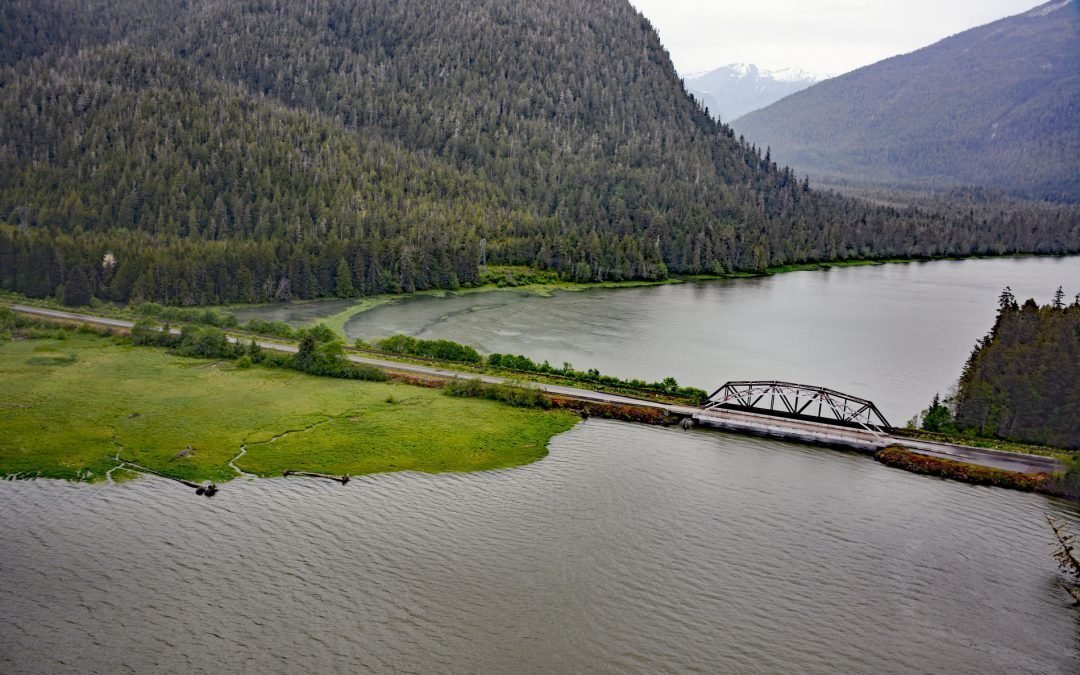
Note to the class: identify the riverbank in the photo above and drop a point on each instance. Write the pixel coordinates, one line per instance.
(901, 458)
(545, 284)
(73, 403)
(857, 262)
(532, 282)
(498, 278)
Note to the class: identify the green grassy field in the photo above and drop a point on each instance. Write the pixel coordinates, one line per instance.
(71, 405)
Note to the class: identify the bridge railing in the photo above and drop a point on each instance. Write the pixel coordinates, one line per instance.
(799, 401)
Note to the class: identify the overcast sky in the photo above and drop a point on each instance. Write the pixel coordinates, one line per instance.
(824, 37)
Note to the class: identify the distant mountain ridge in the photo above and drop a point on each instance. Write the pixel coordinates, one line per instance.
(996, 106)
(736, 89)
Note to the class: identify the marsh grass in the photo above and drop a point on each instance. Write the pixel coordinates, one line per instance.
(70, 406)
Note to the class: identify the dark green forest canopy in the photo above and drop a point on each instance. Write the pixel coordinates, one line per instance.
(1022, 381)
(209, 151)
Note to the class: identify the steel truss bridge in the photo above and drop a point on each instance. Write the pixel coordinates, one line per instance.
(799, 401)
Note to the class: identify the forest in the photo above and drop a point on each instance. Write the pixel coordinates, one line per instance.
(1021, 381)
(192, 152)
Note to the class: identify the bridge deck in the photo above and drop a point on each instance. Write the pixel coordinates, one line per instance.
(800, 430)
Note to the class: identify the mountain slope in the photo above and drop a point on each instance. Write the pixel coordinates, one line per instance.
(736, 89)
(995, 106)
(248, 150)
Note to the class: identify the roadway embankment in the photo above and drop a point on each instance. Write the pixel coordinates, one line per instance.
(966, 472)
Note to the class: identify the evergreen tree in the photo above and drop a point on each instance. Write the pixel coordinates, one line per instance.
(304, 358)
(77, 292)
(938, 417)
(1006, 300)
(343, 280)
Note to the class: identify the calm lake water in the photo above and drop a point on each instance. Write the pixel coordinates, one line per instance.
(896, 334)
(627, 549)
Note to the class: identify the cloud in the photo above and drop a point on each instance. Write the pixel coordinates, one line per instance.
(821, 36)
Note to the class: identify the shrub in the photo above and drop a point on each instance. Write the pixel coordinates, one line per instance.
(319, 332)
(445, 350)
(273, 359)
(275, 328)
(205, 342)
(525, 397)
(512, 362)
(145, 332)
(207, 317)
(7, 319)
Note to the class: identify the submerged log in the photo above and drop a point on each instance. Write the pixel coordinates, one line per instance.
(343, 478)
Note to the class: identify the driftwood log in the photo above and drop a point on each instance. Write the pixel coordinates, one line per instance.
(208, 490)
(1066, 558)
(343, 478)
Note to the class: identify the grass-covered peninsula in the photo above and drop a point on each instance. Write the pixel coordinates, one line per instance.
(74, 402)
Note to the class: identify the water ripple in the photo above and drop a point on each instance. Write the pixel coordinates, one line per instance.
(627, 549)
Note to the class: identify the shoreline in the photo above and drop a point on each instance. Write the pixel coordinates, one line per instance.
(337, 320)
(963, 472)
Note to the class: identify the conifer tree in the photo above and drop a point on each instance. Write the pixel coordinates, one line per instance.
(343, 280)
(77, 292)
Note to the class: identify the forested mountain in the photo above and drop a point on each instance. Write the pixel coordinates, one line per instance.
(996, 106)
(1021, 382)
(731, 91)
(205, 151)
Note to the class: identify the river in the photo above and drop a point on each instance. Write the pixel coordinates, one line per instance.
(627, 549)
(896, 334)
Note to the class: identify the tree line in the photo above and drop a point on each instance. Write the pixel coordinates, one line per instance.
(1021, 381)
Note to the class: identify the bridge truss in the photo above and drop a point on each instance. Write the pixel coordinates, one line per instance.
(799, 401)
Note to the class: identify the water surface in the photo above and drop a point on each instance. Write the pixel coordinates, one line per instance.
(895, 333)
(628, 549)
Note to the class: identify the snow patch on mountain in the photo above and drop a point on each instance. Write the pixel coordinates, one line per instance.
(1048, 8)
(738, 88)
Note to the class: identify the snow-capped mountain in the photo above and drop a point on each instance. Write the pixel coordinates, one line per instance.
(738, 88)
